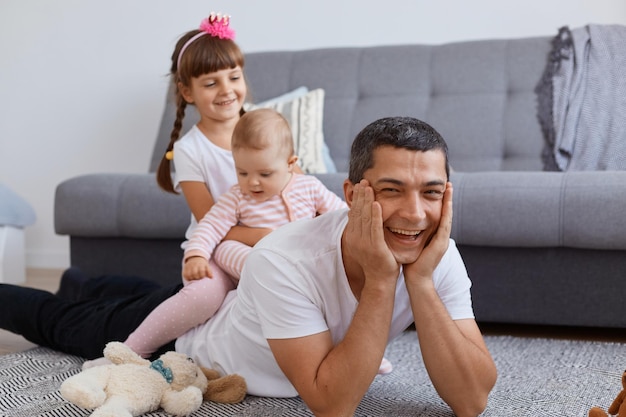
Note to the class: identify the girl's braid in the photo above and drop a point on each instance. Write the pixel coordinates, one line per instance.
(164, 176)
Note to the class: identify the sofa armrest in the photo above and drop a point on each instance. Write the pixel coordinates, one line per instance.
(540, 209)
(118, 205)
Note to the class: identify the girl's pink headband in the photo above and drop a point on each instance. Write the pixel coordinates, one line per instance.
(215, 25)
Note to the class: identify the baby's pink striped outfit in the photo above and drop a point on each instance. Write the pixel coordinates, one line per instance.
(304, 197)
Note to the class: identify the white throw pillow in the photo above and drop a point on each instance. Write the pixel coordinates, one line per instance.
(304, 113)
(289, 96)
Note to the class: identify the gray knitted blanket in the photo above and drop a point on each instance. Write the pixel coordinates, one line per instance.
(582, 100)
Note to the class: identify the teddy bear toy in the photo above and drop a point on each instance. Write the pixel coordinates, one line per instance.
(131, 386)
(617, 408)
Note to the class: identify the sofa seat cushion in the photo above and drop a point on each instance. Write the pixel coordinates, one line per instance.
(119, 205)
(130, 206)
(540, 209)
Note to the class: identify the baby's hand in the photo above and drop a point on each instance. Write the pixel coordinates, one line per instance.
(195, 268)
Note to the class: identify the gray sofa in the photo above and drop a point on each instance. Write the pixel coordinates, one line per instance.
(540, 247)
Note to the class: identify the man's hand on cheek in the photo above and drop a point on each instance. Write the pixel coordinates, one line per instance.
(365, 234)
(431, 255)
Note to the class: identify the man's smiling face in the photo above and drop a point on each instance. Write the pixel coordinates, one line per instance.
(409, 185)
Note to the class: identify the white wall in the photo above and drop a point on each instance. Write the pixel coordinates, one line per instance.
(82, 81)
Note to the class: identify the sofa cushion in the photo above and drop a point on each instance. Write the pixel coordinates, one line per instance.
(329, 164)
(539, 209)
(119, 205)
(304, 113)
(478, 94)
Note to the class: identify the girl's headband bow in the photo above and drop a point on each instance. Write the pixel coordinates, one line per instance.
(216, 25)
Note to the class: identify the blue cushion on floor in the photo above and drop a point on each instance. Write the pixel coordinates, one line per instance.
(14, 210)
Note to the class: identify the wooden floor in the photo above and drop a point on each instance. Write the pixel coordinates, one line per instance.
(48, 279)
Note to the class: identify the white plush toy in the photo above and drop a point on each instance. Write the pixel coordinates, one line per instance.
(132, 386)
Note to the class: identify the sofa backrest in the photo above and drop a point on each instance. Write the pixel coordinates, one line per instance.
(478, 94)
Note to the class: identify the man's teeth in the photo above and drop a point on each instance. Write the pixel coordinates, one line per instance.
(405, 232)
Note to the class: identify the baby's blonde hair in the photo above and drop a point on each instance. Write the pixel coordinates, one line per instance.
(262, 128)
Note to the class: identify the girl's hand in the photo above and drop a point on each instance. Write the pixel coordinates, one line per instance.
(364, 236)
(196, 268)
(424, 266)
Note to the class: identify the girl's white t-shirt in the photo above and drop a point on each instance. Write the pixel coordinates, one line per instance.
(293, 285)
(196, 158)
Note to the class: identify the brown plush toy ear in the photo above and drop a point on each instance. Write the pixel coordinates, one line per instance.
(618, 407)
(227, 389)
(597, 412)
(210, 374)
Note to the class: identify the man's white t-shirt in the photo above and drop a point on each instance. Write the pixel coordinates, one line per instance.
(294, 284)
(196, 158)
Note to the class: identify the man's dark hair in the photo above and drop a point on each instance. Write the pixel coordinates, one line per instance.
(399, 132)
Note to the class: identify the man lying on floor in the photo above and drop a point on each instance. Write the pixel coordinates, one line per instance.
(318, 299)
